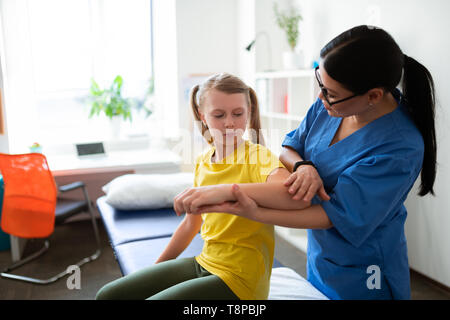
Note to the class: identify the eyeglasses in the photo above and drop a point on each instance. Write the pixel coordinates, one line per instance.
(325, 90)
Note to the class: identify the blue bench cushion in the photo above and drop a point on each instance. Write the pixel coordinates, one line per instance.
(138, 237)
(126, 226)
(136, 255)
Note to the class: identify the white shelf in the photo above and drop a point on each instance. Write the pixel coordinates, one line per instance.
(286, 94)
(285, 74)
(282, 116)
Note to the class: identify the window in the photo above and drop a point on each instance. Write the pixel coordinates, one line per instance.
(67, 43)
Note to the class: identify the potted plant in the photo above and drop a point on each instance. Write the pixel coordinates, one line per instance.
(288, 22)
(111, 102)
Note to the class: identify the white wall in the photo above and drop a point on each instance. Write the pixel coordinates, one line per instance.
(19, 94)
(421, 30)
(4, 144)
(206, 42)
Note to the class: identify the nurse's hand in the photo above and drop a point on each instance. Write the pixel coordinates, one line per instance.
(305, 183)
(244, 206)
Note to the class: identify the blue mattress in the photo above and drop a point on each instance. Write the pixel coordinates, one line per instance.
(138, 237)
(126, 226)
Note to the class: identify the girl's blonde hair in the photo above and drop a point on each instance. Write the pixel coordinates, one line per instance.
(229, 84)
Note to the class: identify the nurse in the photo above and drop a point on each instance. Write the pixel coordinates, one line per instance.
(355, 157)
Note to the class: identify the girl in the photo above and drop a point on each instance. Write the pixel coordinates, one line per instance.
(236, 260)
(365, 143)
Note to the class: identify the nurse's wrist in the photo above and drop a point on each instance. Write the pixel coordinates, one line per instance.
(303, 163)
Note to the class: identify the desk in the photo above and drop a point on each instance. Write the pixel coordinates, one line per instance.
(140, 161)
(97, 170)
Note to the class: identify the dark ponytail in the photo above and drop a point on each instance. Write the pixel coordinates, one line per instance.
(366, 57)
(418, 91)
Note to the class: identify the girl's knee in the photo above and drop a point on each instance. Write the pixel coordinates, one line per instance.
(107, 292)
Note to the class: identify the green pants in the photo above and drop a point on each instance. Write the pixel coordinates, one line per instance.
(178, 279)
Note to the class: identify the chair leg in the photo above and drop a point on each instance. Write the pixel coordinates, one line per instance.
(94, 225)
(6, 274)
(90, 258)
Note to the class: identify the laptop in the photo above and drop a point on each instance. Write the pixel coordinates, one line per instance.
(91, 150)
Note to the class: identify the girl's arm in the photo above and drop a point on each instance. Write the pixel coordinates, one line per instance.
(182, 237)
(271, 194)
(313, 217)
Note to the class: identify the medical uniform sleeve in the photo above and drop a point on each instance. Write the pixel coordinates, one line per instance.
(366, 193)
(296, 138)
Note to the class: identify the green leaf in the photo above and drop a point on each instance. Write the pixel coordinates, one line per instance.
(95, 89)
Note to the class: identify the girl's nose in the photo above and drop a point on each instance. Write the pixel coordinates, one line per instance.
(229, 123)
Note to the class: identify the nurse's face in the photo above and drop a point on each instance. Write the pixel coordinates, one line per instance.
(335, 93)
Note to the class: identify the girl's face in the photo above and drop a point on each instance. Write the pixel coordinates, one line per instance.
(354, 106)
(225, 115)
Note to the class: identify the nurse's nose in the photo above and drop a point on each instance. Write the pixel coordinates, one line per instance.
(321, 96)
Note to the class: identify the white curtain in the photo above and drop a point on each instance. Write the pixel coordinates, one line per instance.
(53, 48)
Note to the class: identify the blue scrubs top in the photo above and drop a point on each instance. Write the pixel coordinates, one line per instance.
(368, 176)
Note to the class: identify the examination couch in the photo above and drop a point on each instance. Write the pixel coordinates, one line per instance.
(138, 237)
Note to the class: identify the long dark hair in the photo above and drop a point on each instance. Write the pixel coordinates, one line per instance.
(366, 57)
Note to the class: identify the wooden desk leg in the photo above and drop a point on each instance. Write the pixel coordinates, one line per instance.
(17, 247)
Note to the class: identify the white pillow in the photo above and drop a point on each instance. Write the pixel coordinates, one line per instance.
(146, 191)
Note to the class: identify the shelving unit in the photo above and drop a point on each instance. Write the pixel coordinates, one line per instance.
(286, 93)
(285, 97)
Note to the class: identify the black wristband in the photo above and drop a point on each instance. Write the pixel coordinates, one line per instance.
(303, 162)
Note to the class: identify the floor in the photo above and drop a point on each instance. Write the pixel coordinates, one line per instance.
(73, 241)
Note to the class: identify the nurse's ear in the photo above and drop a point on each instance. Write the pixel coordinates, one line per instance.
(375, 96)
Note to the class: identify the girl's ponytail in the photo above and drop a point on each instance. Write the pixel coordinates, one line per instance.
(256, 135)
(418, 91)
(195, 110)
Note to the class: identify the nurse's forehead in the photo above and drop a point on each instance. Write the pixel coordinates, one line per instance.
(329, 83)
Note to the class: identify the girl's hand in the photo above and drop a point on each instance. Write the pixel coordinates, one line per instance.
(190, 199)
(244, 206)
(305, 183)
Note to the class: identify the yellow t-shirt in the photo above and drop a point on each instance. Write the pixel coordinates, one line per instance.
(236, 249)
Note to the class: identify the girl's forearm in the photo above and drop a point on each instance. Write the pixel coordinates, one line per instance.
(272, 195)
(313, 217)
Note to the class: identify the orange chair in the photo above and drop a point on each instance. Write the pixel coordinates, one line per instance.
(31, 206)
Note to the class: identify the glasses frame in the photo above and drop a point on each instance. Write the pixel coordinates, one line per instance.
(325, 90)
